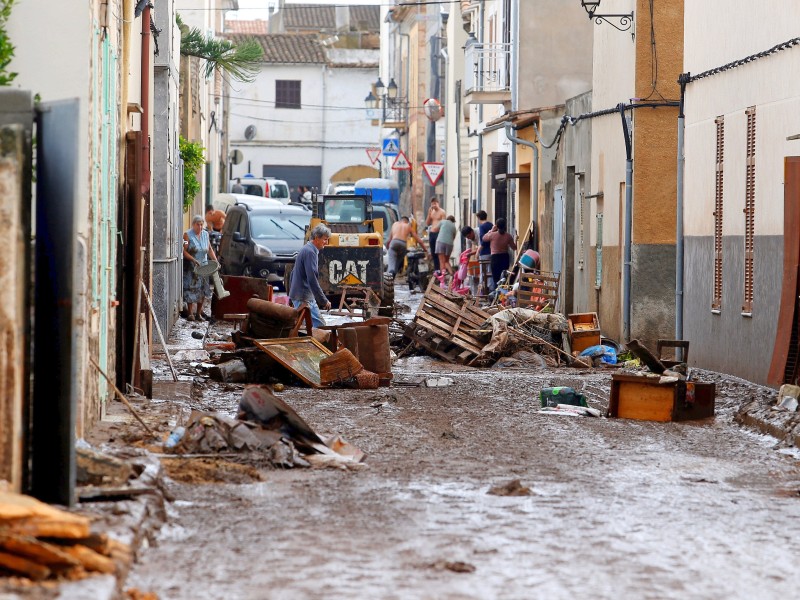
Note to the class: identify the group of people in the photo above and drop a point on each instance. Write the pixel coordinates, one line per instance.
(490, 241)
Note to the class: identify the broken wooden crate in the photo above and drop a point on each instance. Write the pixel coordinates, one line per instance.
(537, 289)
(447, 326)
(643, 398)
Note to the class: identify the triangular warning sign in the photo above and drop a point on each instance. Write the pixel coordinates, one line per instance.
(373, 154)
(351, 279)
(401, 162)
(433, 170)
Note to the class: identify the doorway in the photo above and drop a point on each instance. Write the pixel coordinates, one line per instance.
(785, 366)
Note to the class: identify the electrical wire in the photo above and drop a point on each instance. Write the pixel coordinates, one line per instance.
(653, 57)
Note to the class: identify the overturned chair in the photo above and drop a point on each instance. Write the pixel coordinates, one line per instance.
(267, 320)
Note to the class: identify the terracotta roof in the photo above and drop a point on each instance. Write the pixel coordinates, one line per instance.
(255, 27)
(286, 48)
(322, 17)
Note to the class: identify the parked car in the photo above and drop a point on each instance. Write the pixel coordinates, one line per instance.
(260, 240)
(265, 187)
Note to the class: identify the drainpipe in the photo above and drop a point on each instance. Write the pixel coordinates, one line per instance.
(535, 174)
(626, 265)
(145, 181)
(682, 80)
(514, 67)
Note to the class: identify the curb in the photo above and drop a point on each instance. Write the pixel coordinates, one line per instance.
(759, 415)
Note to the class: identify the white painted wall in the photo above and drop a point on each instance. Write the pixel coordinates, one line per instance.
(770, 84)
(613, 82)
(57, 70)
(330, 130)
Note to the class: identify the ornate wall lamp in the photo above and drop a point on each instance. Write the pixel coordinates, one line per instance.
(622, 22)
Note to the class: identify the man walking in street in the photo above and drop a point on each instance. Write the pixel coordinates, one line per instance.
(237, 187)
(435, 216)
(397, 244)
(305, 288)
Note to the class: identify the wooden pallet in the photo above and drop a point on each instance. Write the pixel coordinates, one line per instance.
(537, 288)
(445, 325)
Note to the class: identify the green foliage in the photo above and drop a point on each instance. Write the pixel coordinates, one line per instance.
(242, 62)
(6, 47)
(193, 159)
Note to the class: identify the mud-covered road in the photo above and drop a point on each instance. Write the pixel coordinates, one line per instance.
(618, 509)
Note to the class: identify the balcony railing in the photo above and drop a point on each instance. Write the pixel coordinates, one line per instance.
(487, 68)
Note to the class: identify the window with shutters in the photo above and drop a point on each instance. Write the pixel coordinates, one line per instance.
(749, 211)
(287, 93)
(716, 302)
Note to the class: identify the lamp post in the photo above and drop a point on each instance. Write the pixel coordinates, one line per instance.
(624, 20)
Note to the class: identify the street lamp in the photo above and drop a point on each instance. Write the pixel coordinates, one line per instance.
(625, 20)
(393, 108)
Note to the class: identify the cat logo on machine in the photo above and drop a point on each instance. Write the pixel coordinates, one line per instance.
(353, 272)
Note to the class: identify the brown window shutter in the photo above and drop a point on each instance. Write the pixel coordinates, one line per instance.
(749, 210)
(716, 302)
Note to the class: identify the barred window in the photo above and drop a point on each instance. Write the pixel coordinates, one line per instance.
(716, 302)
(287, 93)
(749, 211)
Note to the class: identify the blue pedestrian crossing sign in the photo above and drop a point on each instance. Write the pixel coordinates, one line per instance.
(391, 147)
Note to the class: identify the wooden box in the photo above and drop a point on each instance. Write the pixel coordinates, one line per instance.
(643, 398)
(584, 331)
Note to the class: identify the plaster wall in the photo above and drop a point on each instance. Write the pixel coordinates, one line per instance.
(555, 47)
(772, 85)
(728, 341)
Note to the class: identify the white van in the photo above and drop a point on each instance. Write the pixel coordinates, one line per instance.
(224, 201)
(265, 187)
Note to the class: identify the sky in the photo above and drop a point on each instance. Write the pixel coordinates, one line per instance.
(256, 9)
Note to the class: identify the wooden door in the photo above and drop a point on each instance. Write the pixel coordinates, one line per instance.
(785, 367)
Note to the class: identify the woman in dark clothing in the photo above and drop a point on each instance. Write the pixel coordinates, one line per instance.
(499, 242)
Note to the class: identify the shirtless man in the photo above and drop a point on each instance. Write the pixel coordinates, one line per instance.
(397, 244)
(435, 215)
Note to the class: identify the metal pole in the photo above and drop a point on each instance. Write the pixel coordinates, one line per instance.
(626, 265)
(679, 258)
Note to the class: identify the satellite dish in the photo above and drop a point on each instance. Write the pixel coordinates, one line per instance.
(235, 156)
(250, 132)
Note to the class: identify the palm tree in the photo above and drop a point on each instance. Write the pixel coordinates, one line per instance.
(240, 61)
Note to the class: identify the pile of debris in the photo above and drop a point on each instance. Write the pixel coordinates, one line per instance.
(269, 345)
(266, 426)
(41, 542)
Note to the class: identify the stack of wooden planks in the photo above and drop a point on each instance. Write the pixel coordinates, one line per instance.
(446, 325)
(39, 542)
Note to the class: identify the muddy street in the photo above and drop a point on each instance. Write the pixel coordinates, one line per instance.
(616, 508)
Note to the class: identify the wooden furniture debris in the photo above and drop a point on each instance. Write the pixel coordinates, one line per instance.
(369, 343)
(341, 365)
(537, 289)
(584, 331)
(668, 362)
(300, 355)
(70, 550)
(242, 289)
(272, 320)
(447, 325)
(643, 398)
(649, 359)
(357, 301)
